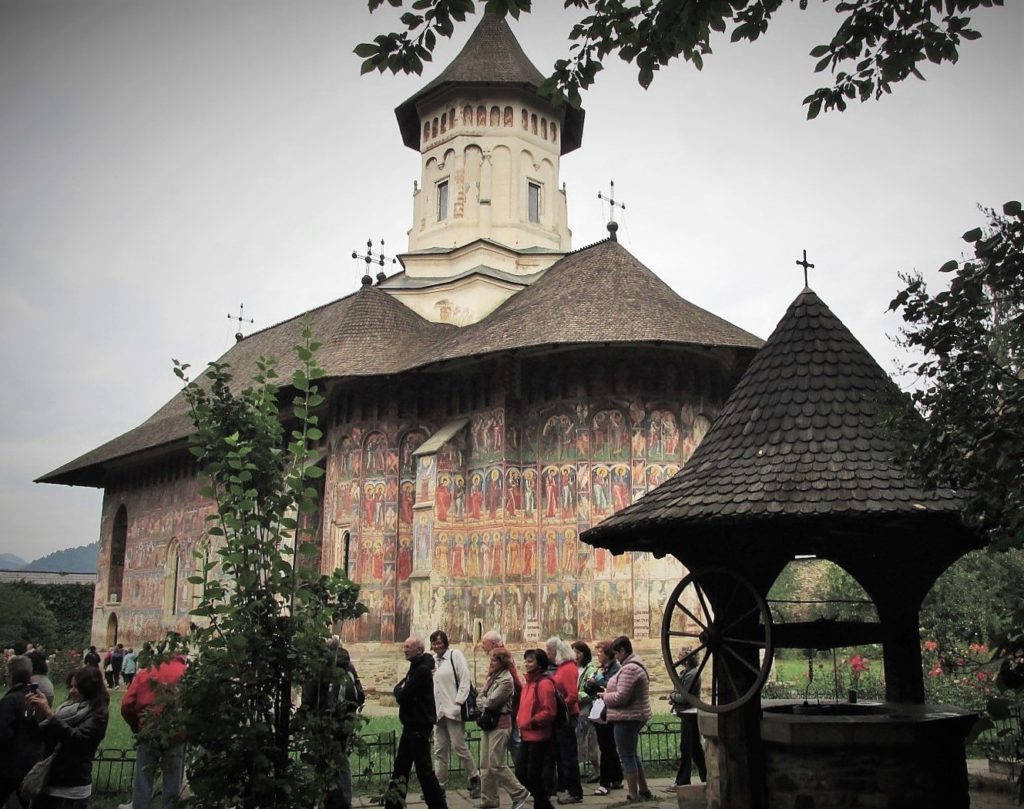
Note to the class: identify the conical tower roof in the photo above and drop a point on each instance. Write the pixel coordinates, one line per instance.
(492, 57)
(800, 442)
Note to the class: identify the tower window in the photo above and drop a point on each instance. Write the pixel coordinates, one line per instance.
(442, 200)
(533, 201)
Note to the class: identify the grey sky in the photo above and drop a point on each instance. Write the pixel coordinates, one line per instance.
(162, 161)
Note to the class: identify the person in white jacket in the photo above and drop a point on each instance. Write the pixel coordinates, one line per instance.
(451, 689)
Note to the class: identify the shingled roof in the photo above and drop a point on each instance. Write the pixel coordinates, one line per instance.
(367, 333)
(492, 57)
(800, 439)
(599, 294)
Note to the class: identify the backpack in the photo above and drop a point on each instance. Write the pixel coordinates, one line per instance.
(561, 709)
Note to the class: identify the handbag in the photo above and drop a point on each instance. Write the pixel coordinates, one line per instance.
(488, 720)
(598, 712)
(467, 710)
(36, 779)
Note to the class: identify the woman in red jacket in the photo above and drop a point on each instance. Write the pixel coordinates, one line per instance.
(535, 719)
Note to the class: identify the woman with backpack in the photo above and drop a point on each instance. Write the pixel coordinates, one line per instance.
(537, 709)
(628, 698)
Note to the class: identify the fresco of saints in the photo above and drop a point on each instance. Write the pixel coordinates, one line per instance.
(567, 486)
(404, 558)
(378, 505)
(375, 454)
(529, 549)
(570, 553)
(601, 491)
(551, 491)
(442, 499)
(496, 557)
(378, 560)
(459, 496)
(620, 487)
(485, 554)
(458, 549)
(493, 493)
(476, 496)
(514, 548)
(408, 499)
(530, 492)
(513, 492)
(551, 553)
(473, 557)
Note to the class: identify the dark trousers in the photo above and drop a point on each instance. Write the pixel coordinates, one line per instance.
(8, 787)
(567, 759)
(690, 750)
(414, 750)
(50, 802)
(530, 770)
(611, 768)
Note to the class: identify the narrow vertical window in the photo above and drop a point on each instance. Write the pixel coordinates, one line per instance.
(533, 201)
(442, 200)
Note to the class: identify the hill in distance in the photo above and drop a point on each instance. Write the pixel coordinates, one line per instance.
(69, 560)
(8, 561)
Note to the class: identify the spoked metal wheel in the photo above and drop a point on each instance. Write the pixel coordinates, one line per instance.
(727, 625)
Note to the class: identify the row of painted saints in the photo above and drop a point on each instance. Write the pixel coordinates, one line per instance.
(609, 435)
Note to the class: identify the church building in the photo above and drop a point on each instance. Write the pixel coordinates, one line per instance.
(486, 404)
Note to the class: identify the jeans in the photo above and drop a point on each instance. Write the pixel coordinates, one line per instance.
(172, 769)
(494, 772)
(627, 739)
(451, 734)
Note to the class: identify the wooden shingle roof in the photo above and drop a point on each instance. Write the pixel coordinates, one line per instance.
(800, 439)
(367, 333)
(598, 295)
(491, 57)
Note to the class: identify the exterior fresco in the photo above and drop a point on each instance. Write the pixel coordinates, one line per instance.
(482, 531)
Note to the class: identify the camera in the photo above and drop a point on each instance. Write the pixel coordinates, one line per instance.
(33, 687)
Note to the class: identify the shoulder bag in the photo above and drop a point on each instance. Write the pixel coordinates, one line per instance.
(36, 779)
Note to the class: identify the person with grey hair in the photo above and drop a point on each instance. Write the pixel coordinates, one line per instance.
(19, 750)
(567, 763)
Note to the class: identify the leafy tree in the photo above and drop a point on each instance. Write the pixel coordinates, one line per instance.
(971, 394)
(265, 609)
(25, 618)
(876, 45)
(71, 606)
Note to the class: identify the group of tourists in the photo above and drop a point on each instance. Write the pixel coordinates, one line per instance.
(47, 751)
(566, 709)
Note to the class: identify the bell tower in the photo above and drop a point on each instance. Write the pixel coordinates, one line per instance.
(488, 202)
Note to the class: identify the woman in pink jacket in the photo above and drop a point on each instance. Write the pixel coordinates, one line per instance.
(536, 719)
(628, 698)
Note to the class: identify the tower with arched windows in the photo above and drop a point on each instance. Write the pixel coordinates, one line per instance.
(485, 405)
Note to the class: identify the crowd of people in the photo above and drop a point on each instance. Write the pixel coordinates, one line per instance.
(566, 710)
(571, 709)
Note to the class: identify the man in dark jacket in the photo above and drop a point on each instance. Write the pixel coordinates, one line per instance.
(416, 712)
(18, 751)
(336, 694)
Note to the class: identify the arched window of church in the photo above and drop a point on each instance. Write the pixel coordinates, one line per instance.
(467, 116)
(495, 116)
(426, 130)
(526, 120)
(533, 124)
(433, 128)
(544, 128)
(172, 565)
(444, 122)
(508, 118)
(451, 118)
(481, 115)
(554, 131)
(118, 544)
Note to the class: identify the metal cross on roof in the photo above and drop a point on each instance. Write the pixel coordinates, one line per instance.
(610, 199)
(370, 258)
(806, 265)
(239, 317)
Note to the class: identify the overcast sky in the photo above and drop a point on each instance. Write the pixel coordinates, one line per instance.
(163, 161)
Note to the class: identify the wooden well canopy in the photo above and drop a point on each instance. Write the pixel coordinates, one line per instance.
(800, 462)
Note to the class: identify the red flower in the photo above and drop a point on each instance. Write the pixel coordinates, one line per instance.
(859, 664)
(930, 645)
(936, 670)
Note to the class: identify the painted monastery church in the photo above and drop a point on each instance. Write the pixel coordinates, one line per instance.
(486, 404)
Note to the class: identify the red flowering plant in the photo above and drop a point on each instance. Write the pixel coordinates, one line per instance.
(961, 675)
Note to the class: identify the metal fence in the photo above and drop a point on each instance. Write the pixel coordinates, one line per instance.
(372, 762)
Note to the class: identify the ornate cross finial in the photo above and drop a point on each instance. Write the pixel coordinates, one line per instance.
(241, 319)
(806, 265)
(370, 258)
(613, 226)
